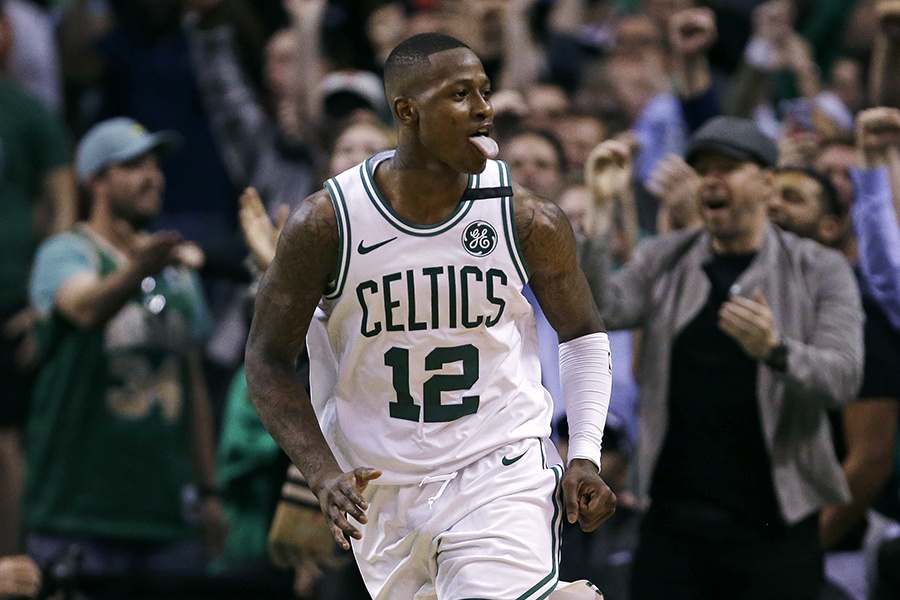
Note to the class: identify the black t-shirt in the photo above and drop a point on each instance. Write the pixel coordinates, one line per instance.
(714, 451)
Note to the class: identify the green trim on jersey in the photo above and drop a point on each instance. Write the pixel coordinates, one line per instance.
(399, 222)
(535, 592)
(345, 244)
(507, 211)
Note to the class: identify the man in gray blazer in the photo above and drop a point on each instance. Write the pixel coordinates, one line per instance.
(750, 335)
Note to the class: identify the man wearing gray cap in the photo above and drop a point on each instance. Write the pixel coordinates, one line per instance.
(119, 440)
(750, 335)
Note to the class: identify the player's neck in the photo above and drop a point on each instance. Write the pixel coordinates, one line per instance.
(418, 194)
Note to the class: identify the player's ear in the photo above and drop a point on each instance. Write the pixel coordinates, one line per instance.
(405, 110)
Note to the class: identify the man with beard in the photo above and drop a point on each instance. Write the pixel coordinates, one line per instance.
(119, 441)
(752, 334)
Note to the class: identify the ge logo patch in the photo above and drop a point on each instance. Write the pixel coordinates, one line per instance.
(479, 238)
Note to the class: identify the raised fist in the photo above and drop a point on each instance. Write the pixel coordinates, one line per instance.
(608, 171)
(877, 134)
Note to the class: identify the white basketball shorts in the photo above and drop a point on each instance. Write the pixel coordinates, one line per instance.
(489, 531)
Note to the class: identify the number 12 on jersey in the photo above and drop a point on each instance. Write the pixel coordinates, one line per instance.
(435, 411)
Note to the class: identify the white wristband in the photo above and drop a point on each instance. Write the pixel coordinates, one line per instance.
(585, 375)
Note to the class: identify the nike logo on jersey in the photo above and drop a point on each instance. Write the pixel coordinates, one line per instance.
(363, 249)
(508, 461)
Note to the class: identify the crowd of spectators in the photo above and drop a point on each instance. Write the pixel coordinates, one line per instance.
(756, 390)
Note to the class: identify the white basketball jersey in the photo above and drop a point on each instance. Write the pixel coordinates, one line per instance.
(424, 352)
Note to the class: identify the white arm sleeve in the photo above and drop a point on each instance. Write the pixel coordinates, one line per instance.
(585, 374)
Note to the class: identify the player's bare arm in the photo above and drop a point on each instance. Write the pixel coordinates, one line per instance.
(548, 244)
(288, 295)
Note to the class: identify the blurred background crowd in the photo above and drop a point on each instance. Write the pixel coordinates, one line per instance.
(594, 104)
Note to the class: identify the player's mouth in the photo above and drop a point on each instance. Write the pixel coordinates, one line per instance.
(484, 143)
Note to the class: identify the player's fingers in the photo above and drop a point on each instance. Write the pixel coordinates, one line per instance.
(364, 475)
(338, 534)
(597, 518)
(570, 499)
(591, 520)
(352, 503)
(361, 478)
(607, 511)
(339, 519)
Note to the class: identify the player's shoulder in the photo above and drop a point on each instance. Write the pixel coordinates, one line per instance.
(313, 218)
(544, 232)
(535, 214)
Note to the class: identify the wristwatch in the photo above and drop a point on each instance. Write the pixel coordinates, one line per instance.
(778, 357)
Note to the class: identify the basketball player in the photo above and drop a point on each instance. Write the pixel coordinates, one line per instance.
(427, 420)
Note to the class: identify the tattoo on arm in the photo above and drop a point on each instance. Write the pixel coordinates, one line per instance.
(290, 290)
(549, 246)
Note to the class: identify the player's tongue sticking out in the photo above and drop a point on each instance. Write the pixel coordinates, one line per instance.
(486, 145)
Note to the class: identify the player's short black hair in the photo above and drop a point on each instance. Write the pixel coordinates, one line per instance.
(828, 194)
(412, 54)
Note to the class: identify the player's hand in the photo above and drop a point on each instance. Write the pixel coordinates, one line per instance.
(750, 323)
(588, 500)
(341, 497)
(877, 133)
(19, 576)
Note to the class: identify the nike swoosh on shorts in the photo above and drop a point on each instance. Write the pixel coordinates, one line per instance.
(508, 461)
